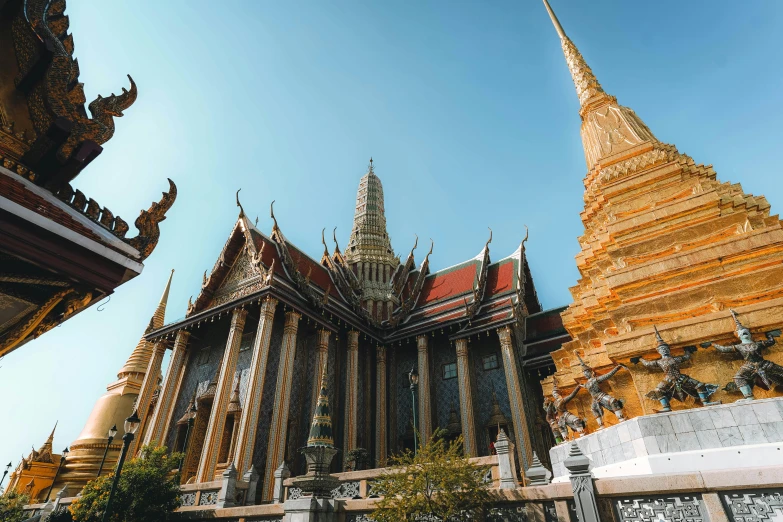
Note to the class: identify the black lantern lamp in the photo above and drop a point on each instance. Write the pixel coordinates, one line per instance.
(413, 376)
(112, 434)
(132, 424)
(59, 467)
(7, 468)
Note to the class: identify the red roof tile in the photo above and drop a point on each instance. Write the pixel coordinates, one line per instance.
(500, 277)
(441, 285)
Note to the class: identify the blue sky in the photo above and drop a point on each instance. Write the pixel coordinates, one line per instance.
(466, 107)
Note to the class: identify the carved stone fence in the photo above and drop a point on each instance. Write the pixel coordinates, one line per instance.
(358, 484)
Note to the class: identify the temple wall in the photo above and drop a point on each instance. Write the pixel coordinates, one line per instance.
(206, 347)
(268, 398)
(485, 383)
(446, 390)
(406, 359)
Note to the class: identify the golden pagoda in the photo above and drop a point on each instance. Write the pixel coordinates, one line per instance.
(111, 409)
(665, 244)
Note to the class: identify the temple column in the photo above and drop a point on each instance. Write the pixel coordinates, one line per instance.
(248, 422)
(466, 399)
(148, 389)
(514, 386)
(161, 419)
(380, 407)
(322, 356)
(425, 409)
(278, 430)
(217, 418)
(351, 393)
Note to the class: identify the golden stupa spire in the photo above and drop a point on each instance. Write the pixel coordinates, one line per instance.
(140, 357)
(585, 81)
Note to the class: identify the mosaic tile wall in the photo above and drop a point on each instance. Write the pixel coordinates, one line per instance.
(446, 391)
(406, 358)
(268, 397)
(206, 346)
(485, 383)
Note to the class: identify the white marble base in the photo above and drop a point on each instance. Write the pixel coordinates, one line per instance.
(735, 435)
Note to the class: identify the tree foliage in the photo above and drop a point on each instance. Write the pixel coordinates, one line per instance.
(146, 491)
(11, 505)
(438, 481)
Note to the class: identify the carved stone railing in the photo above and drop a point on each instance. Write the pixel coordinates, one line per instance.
(355, 485)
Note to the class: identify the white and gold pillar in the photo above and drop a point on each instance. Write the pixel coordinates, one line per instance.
(147, 390)
(217, 418)
(278, 430)
(350, 439)
(380, 407)
(514, 386)
(159, 424)
(425, 408)
(466, 399)
(248, 421)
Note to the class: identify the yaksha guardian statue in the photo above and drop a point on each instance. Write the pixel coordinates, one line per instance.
(601, 400)
(566, 419)
(755, 366)
(675, 384)
(554, 421)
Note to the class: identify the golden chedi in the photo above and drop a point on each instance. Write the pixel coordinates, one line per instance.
(665, 244)
(111, 409)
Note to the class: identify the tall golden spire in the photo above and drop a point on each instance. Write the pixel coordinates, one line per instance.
(585, 81)
(140, 357)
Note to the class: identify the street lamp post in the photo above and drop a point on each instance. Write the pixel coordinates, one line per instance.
(8, 467)
(56, 473)
(132, 424)
(413, 376)
(191, 421)
(112, 433)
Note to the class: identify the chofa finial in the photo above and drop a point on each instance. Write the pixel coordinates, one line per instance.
(241, 210)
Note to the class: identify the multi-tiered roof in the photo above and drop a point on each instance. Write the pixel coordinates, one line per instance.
(475, 295)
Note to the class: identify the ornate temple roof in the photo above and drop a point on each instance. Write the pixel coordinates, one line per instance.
(475, 295)
(66, 250)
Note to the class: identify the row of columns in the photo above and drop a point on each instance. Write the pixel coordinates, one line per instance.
(248, 422)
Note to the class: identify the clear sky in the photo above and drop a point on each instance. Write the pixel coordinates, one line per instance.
(466, 107)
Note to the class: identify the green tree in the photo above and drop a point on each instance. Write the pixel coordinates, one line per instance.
(146, 491)
(11, 506)
(439, 480)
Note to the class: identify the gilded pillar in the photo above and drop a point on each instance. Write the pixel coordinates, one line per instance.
(380, 407)
(514, 386)
(322, 356)
(248, 422)
(217, 418)
(148, 389)
(161, 419)
(351, 393)
(466, 400)
(278, 430)
(425, 409)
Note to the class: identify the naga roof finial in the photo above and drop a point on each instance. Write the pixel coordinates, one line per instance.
(241, 210)
(432, 245)
(272, 215)
(323, 240)
(527, 234)
(415, 244)
(486, 246)
(334, 237)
